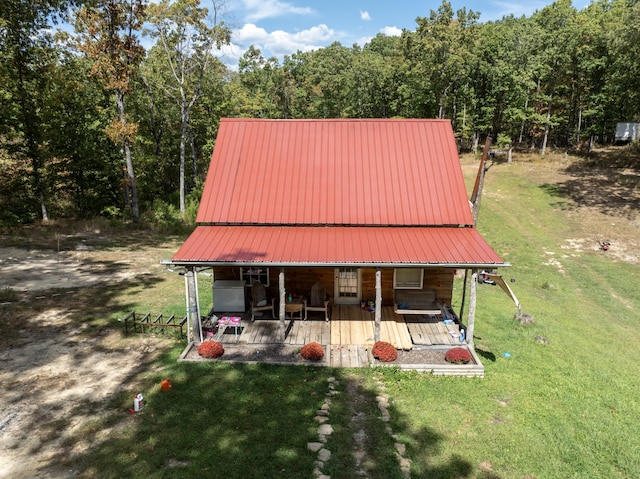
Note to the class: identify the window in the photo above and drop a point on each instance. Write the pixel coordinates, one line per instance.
(255, 274)
(347, 286)
(407, 278)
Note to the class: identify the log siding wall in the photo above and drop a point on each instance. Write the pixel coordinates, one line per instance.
(300, 280)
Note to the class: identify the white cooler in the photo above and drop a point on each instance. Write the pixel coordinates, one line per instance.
(228, 296)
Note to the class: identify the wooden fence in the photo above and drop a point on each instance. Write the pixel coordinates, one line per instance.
(157, 324)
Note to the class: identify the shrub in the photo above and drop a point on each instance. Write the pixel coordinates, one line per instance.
(384, 351)
(312, 351)
(458, 356)
(8, 295)
(210, 349)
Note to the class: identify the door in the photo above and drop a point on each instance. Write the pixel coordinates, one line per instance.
(348, 288)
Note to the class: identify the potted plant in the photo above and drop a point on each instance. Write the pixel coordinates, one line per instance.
(384, 351)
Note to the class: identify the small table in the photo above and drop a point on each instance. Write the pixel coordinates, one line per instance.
(228, 322)
(295, 306)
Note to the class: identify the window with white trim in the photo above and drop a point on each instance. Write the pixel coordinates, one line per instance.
(253, 273)
(408, 278)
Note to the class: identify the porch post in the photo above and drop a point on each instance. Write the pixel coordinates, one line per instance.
(378, 312)
(472, 306)
(194, 328)
(281, 310)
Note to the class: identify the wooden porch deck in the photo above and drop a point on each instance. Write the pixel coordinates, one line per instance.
(349, 326)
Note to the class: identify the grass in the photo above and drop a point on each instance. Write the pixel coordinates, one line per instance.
(566, 409)
(217, 421)
(569, 408)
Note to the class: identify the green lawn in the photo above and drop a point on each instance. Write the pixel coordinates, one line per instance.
(569, 408)
(566, 409)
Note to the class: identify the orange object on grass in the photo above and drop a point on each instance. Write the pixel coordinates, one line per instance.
(166, 384)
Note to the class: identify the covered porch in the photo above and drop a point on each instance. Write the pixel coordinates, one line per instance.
(349, 337)
(350, 325)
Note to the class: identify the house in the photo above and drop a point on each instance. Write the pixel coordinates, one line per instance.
(375, 210)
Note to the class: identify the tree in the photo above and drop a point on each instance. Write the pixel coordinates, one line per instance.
(84, 171)
(26, 56)
(108, 31)
(439, 58)
(188, 42)
(557, 32)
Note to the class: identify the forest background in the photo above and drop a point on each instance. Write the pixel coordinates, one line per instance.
(93, 124)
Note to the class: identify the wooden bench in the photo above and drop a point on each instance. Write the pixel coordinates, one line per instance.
(153, 324)
(416, 301)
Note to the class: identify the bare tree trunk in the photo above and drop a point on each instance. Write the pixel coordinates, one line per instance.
(183, 141)
(43, 208)
(155, 124)
(579, 126)
(526, 105)
(194, 156)
(31, 130)
(127, 153)
(547, 126)
(546, 130)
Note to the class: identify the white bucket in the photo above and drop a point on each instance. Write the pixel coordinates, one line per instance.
(137, 402)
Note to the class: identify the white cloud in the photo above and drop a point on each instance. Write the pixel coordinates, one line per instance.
(261, 9)
(250, 33)
(391, 31)
(279, 42)
(364, 15)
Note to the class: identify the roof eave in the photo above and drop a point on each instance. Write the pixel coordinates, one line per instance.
(335, 265)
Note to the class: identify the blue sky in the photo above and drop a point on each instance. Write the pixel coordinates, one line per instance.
(282, 27)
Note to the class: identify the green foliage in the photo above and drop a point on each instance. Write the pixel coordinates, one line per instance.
(503, 140)
(559, 78)
(167, 217)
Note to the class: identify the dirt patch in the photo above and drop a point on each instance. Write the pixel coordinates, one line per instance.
(420, 356)
(62, 368)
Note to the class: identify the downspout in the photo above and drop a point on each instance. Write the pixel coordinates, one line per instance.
(464, 292)
(472, 307)
(281, 311)
(193, 317)
(378, 312)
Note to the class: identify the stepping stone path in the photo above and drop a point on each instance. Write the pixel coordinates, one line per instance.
(325, 430)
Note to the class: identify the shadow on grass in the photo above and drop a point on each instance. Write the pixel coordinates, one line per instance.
(608, 182)
(488, 355)
(219, 420)
(247, 421)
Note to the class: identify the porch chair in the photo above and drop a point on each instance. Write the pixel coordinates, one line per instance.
(318, 301)
(259, 300)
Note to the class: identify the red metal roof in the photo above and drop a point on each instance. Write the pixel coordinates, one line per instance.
(340, 172)
(335, 192)
(337, 245)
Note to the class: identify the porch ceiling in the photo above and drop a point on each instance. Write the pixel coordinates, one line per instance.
(337, 246)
